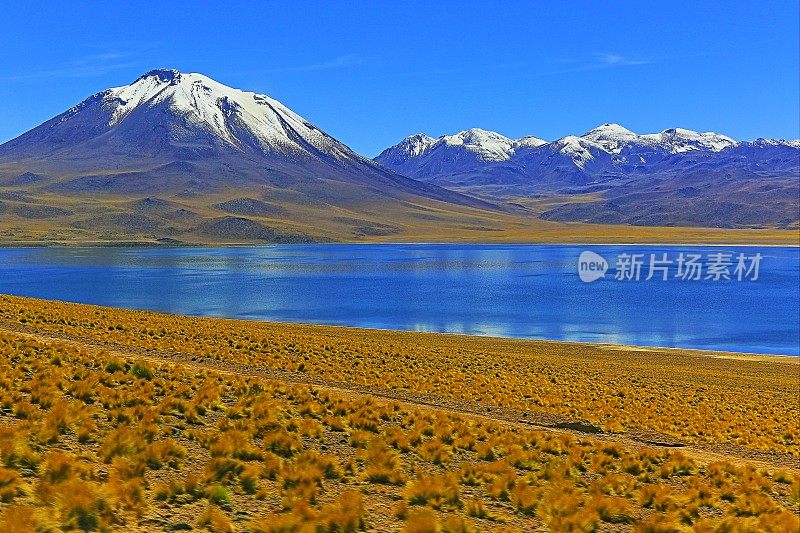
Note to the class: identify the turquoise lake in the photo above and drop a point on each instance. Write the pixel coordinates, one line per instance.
(525, 291)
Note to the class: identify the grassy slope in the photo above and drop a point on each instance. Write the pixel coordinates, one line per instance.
(31, 219)
(91, 438)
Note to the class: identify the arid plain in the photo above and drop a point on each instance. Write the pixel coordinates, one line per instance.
(125, 420)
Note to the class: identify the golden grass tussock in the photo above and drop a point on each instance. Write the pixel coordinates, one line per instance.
(154, 446)
(690, 396)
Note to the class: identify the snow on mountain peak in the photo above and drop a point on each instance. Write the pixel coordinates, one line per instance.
(609, 131)
(416, 145)
(489, 145)
(233, 116)
(678, 140)
(609, 148)
(577, 148)
(529, 141)
(611, 137)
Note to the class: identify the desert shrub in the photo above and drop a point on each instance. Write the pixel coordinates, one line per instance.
(115, 364)
(218, 494)
(525, 498)
(382, 465)
(558, 503)
(436, 491)
(123, 441)
(141, 370)
(396, 438)
(59, 467)
(82, 506)
(15, 450)
(223, 469)
(238, 444)
(345, 515)
(308, 427)
(25, 410)
(335, 423)
(271, 466)
(657, 496)
(126, 486)
(753, 504)
(282, 443)
(171, 489)
(10, 486)
(214, 519)
(434, 451)
(677, 465)
(249, 477)
(366, 419)
(161, 452)
(360, 438)
(613, 509)
(84, 429)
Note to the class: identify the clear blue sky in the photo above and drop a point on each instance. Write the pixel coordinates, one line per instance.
(371, 73)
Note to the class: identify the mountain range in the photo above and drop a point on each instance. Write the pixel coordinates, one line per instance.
(613, 175)
(179, 157)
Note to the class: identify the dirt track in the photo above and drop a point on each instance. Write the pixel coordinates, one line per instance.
(531, 419)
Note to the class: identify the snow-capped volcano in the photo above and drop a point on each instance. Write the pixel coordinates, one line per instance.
(167, 109)
(187, 133)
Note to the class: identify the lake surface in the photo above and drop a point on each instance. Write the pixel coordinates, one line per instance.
(527, 291)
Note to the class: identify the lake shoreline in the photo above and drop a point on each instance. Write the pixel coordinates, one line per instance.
(792, 242)
(528, 343)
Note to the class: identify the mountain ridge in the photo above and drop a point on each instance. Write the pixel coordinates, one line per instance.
(610, 137)
(179, 157)
(675, 177)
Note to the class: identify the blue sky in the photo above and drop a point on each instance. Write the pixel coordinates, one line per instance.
(371, 73)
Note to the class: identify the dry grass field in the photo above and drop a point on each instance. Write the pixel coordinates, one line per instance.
(115, 420)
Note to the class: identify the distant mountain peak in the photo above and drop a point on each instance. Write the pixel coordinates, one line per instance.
(678, 140)
(529, 141)
(416, 144)
(609, 129)
(488, 145)
(611, 137)
(576, 148)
